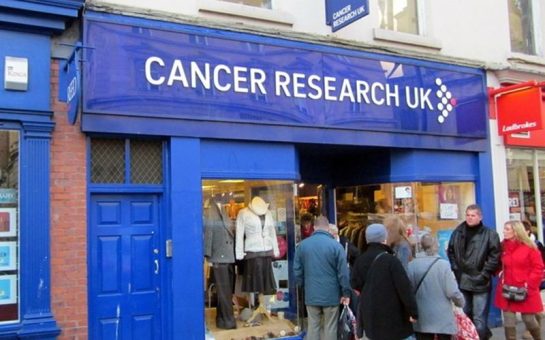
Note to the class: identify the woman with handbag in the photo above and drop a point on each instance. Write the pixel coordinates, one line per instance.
(518, 286)
(436, 290)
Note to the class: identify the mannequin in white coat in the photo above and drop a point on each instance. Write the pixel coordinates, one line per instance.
(256, 243)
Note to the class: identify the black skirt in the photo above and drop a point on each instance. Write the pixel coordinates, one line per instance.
(258, 276)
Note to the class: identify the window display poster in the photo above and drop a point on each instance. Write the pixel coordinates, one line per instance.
(281, 299)
(449, 194)
(8, 255)
(8, 222)
(443, 237)
(8, 292)
(403, 192)
(448, 211)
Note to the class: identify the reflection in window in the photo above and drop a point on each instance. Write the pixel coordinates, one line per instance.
(254, 3)
(526, 178)
(435, 208)
(521, 26)
(9, 222)
(247, 226)
(399, 15)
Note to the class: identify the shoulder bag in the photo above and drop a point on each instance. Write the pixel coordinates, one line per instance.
(426, 273)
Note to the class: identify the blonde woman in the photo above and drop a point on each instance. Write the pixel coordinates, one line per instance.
(522, 266)
(398, 239)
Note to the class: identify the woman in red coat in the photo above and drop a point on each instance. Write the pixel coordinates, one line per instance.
(522, 266)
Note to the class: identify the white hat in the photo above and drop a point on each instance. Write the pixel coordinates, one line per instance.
(258, 206)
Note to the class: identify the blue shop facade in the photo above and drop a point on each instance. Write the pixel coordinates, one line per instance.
(176, 114)
(26, 126)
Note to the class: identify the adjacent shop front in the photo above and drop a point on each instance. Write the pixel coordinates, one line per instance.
(187, 123)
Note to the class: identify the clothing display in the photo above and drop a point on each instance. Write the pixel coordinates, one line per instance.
(219, 250)
(256, 243)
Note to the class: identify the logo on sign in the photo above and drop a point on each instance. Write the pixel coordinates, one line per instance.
(446, 101)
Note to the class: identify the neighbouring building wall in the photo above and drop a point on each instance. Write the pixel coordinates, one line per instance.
(68, 221)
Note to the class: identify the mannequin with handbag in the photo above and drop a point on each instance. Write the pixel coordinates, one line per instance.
(518, 287)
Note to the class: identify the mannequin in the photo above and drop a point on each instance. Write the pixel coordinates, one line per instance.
(219, 250)
(256, 243)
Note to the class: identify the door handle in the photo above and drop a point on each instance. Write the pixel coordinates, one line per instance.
(156, 262)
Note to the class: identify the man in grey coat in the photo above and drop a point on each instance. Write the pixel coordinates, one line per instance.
(320, 266)
(220, 251)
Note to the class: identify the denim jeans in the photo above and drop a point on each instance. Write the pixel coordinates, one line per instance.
(476, 307)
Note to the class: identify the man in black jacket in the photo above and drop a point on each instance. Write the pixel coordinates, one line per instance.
(474, 254)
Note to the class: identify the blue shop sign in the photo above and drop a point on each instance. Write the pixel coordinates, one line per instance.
(341, 13)
(184, 72)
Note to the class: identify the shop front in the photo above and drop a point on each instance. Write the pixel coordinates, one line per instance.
(191, 128)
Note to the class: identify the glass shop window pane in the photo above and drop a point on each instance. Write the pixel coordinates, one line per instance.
(232, 297)
(521, 26)
(9, 226)
(399, 15)
(435, 208)
(520, 184)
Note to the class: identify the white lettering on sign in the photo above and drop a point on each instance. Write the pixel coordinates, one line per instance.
(242, 79)
(516, 127)
(346, 14)
(71, 89)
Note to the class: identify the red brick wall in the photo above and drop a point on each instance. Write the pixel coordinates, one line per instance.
(68, 221)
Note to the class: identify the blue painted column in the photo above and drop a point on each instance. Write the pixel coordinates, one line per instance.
(34, 274)
(187, 239)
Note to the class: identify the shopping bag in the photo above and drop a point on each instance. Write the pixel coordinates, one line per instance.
(346, 327)
(466, 328)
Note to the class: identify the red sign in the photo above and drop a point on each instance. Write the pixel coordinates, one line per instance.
(530, 139)
(520, 111)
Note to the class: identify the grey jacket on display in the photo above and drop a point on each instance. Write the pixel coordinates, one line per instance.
(219, 238)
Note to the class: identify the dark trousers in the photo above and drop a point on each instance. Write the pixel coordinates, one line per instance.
(429, 336)
(223, 280)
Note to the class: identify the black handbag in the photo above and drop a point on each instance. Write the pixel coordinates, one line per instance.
(513, 293)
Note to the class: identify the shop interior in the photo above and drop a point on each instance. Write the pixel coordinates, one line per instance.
(425, 207)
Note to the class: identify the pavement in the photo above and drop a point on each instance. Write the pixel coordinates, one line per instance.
(497, 333)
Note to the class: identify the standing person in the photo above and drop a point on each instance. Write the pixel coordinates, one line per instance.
(435, 289)
(352, 252)
(320, 266)
(387, 305)
(522, 266)
(398, 239)
(474, 255)
(307, 227)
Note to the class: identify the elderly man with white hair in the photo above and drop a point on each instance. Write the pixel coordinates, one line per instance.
(320, 266)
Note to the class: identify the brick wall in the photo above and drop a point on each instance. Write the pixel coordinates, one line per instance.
(68, 221)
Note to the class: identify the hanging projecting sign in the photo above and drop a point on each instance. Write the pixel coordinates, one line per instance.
(341, 13)
(520, 111)
(176, 72)
(69, 84)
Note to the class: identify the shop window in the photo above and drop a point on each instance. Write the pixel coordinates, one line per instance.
(521, 24)
(399, 16)
(254, 3)
(435, 208)
(229, 208)
(526, 186)
(9, 226)
(109, 158)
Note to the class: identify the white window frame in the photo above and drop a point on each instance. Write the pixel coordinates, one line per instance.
(422, 39)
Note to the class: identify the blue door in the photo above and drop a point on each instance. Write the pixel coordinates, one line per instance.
(124, 273)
